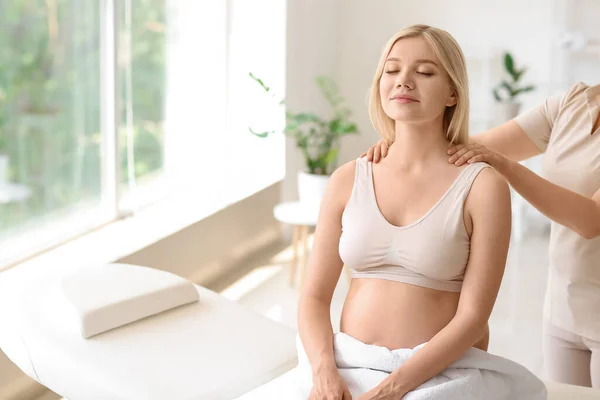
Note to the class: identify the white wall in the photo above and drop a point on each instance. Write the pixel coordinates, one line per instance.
(345, 38)
(483, 29)
(312, 49)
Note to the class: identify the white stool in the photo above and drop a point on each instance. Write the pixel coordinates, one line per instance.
(301, 217)
(13, 193)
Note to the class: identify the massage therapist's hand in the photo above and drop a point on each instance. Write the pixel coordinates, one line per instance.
(378, 151)
(474, 152)
(328, 385)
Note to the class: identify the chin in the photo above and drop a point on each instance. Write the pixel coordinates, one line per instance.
(403, 113)
(404, 116)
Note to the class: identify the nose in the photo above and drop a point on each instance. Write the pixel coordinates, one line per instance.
(404, 79)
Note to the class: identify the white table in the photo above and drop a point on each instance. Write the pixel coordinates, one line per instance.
(13, 192)
(302, 217)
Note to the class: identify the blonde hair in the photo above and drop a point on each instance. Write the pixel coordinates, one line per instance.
(456, 118)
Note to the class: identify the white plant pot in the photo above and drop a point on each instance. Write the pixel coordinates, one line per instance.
(3, 168)
(311, 188)
(505, 111)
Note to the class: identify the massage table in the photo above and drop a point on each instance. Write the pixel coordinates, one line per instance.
(209, 348)
(212, 348)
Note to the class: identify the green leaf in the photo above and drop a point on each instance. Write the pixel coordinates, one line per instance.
(303, 118)
(528, 89)
(331, 156)
(509, 63)
(261, 134)
(508, 88)
(260, 82)
(312, 165)
(524, 90)
(329, 89)
(497, 95)
(518, 74)
(349, 128)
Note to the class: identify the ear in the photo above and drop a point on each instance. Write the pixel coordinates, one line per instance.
(452, 100)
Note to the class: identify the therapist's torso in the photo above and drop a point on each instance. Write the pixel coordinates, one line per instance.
(563, 127)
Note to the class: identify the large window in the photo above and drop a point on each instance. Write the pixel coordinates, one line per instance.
(108, 106)
(142, 75)
(50, 137)
(256, 45)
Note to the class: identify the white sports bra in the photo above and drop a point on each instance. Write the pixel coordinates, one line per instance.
(431, 252)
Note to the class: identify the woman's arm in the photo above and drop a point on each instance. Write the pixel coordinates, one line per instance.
(323, 272)
(488, 206)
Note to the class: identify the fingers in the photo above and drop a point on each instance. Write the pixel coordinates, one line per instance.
(478, 158)
(376, 154)
(370, 154)
(466, 157)
(347, 395)
(454, 148)
(460, 152)
(384, 149)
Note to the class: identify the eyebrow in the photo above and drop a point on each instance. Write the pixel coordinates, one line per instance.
(420, 61)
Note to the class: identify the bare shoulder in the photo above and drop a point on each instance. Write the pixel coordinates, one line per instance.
(344, 172)
(341, 182)
(489, 191)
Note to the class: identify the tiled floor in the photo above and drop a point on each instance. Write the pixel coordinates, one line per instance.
(515, 325)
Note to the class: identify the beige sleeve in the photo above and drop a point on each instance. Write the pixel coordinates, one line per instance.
(538, 122)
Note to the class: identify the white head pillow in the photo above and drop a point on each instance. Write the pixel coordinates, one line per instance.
(112, 295)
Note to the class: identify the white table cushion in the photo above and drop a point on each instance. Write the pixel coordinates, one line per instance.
(114, 295)
(210, 349)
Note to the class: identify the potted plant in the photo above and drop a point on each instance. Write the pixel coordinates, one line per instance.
(317, 137)
(507, 92)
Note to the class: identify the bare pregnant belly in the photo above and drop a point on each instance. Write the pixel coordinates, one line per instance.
(395, 315)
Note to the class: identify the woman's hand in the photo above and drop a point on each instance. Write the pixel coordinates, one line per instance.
(328, 385)
(386, 390)
(474, 152)
(378, 151)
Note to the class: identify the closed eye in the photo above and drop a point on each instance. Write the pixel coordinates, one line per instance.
(392, 72)
(424, 73)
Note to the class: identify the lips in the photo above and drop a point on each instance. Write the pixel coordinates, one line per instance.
(403, 98)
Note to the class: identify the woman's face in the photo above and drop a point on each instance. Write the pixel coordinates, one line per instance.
(414, 86)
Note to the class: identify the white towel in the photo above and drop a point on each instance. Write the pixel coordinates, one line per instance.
(477, 375)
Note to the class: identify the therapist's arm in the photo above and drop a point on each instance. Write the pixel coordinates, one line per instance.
(488, 206)
(509, 140)
(573, 210)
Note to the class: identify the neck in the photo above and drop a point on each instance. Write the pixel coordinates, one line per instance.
(418, 145)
